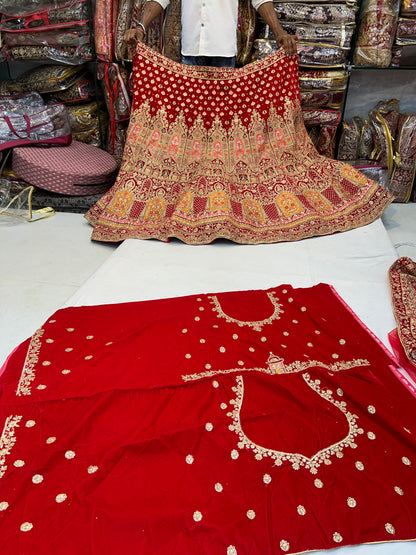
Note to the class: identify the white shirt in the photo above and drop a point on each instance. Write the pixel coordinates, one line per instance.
(209, 27)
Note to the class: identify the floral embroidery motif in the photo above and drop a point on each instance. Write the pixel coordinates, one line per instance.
(32, 357)
(298, 460)
(7, 440)
(197, 516)
(284, 545)
(255, 325)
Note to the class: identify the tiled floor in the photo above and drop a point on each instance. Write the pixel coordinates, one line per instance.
(43, 263)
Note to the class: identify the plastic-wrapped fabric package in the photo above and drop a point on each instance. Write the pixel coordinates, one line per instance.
(384, 121)
(365, 147)
(337, 14)
(246, 28)
(85, 118)
(105, 18)
(373, 170)
(72, 55)
(406, 31)
(114, 79)
(20, 104)
(57, 32)
(350, 139)
(171, 31)
(404, 169)
(321, 117)
(48, 78)
(22, 7)
(25, 119)
(323, 80)
(338, 35)
(376, 33)
(323, 55)
(83, 90)
(326, 144)
(321, 99)
(310, 55)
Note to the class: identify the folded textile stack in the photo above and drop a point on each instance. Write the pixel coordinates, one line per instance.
(70, 85)
(386, 143)
(376, 33)
(56, 31)
(25, 119)
(325, 31)
(404, 48)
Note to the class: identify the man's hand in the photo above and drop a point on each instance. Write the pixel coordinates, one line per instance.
(133, 36)
(288, 43)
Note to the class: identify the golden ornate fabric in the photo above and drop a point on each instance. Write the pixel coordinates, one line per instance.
(402, 277)
(224, 153)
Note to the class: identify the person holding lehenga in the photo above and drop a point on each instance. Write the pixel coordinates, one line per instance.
(209, 29)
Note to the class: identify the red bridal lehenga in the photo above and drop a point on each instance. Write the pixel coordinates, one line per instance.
(248, 423)
(224, 153)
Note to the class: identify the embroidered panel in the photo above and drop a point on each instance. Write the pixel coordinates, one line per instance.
(224, 153)
(252, 422)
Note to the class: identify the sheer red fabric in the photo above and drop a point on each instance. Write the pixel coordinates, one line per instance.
(224, 153)
(255, 422)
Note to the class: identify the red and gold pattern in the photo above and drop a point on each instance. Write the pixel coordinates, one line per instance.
(224, 153)
(239, 423)
(402, 277)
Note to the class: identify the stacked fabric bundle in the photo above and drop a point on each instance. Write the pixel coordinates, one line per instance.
(404, 48)
(325, 31)
(384, 147)
(387, 34)
(70, 85)
(46, 30)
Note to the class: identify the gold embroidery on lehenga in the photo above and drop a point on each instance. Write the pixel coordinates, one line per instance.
(255, 325)
(7, 440)
(298, 460)
(32, 357)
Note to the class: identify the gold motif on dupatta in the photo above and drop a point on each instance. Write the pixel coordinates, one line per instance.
(296, 459)
(32, 357)
(7, 440)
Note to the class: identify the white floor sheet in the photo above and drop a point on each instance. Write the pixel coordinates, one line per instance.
(356, 263)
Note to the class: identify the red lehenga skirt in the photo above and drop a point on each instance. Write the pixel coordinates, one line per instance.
(241, 423)
(223, 153)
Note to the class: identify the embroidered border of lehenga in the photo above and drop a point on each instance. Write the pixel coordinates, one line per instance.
(224, 153)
